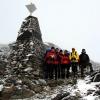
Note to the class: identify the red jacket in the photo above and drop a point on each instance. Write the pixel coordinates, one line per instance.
(50, 57)
(65, 59)
(56, 60)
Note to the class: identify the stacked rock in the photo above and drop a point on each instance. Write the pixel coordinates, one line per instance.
(26, 58)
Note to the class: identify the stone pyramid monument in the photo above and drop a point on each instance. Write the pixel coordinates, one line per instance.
(27, 53)
(24, 68)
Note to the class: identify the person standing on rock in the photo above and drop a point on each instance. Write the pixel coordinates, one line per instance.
(45, 64)
(49, 59)
(68, 64)
(84, 62)
(65, 64)
(59, 67)
(56, 63)
(74, 58)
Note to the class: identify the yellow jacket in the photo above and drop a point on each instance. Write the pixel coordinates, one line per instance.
(74, 57)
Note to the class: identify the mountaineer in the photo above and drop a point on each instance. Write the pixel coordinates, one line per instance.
(49, 63)
(74, 58)
(84, 62)
(65, 64)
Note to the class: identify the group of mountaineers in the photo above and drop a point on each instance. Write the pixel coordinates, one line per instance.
(59, 63)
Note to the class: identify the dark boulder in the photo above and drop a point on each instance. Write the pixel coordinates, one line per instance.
(97, 78)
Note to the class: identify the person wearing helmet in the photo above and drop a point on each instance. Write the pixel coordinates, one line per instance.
(74, 58)
(84, 61)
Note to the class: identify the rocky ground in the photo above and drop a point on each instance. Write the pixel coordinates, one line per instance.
(87, 88)
(21, 87)
(27, 88)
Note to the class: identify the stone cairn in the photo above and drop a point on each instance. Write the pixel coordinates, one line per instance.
(26, 58)
(24, 74)
(25, 63)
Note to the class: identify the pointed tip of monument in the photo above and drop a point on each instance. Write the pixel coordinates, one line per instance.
(31, 8)
(30, 16)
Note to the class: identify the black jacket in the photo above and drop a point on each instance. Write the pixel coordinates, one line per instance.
(84, 58)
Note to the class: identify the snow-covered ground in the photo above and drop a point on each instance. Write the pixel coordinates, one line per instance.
(84, 86)
(80, 89)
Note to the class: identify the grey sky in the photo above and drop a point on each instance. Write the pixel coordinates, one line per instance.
(67, 23)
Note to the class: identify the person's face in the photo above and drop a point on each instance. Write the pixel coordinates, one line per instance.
(53, 50)
(57, 50)
(73, 50)
(61, 52)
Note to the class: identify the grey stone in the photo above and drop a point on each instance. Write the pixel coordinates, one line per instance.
(61, 96)
(97, 92)
(37, 88)
(22, 93)
(90, 92)
(97, 78)
(7, 92)
(42, 82)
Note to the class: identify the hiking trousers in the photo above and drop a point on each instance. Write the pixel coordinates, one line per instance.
(67, 67)
(48, 71)
(59, 71)
(74, 68)
(83, 66)
(63, 66)
(56, 71)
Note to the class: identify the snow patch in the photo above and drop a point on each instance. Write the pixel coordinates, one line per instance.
(28, 69)
(90, 97)
(83, 87)
(1, 87)
(29, 55)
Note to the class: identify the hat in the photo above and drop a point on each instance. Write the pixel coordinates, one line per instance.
(73, 48)
(83, 51)
(52, 47)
